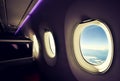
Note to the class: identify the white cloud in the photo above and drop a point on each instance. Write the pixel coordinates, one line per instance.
(94, 60)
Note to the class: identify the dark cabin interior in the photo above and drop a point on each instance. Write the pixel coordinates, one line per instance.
(59, 16)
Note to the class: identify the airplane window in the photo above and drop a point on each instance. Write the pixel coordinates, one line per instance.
(93, 46)
(35, 46)
(50, 44)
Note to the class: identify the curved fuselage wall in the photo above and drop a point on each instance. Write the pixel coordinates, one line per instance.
(61, 16)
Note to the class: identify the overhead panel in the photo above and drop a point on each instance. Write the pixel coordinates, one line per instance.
(13, 12)
(16, 9)
(28, 10)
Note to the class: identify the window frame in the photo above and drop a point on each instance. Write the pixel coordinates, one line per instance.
(77, 50)
(47, 44)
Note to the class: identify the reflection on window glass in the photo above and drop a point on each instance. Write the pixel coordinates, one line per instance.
(94, 44)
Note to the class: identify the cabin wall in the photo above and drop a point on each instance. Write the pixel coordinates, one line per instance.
(61, 16)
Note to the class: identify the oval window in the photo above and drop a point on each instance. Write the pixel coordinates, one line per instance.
(35, 47)
(49, 44)
(93, 46)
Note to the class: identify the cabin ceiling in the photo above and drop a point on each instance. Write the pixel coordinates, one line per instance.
(13, 12)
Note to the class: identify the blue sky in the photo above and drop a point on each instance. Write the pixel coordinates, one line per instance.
(94, 44)
(94, 37)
